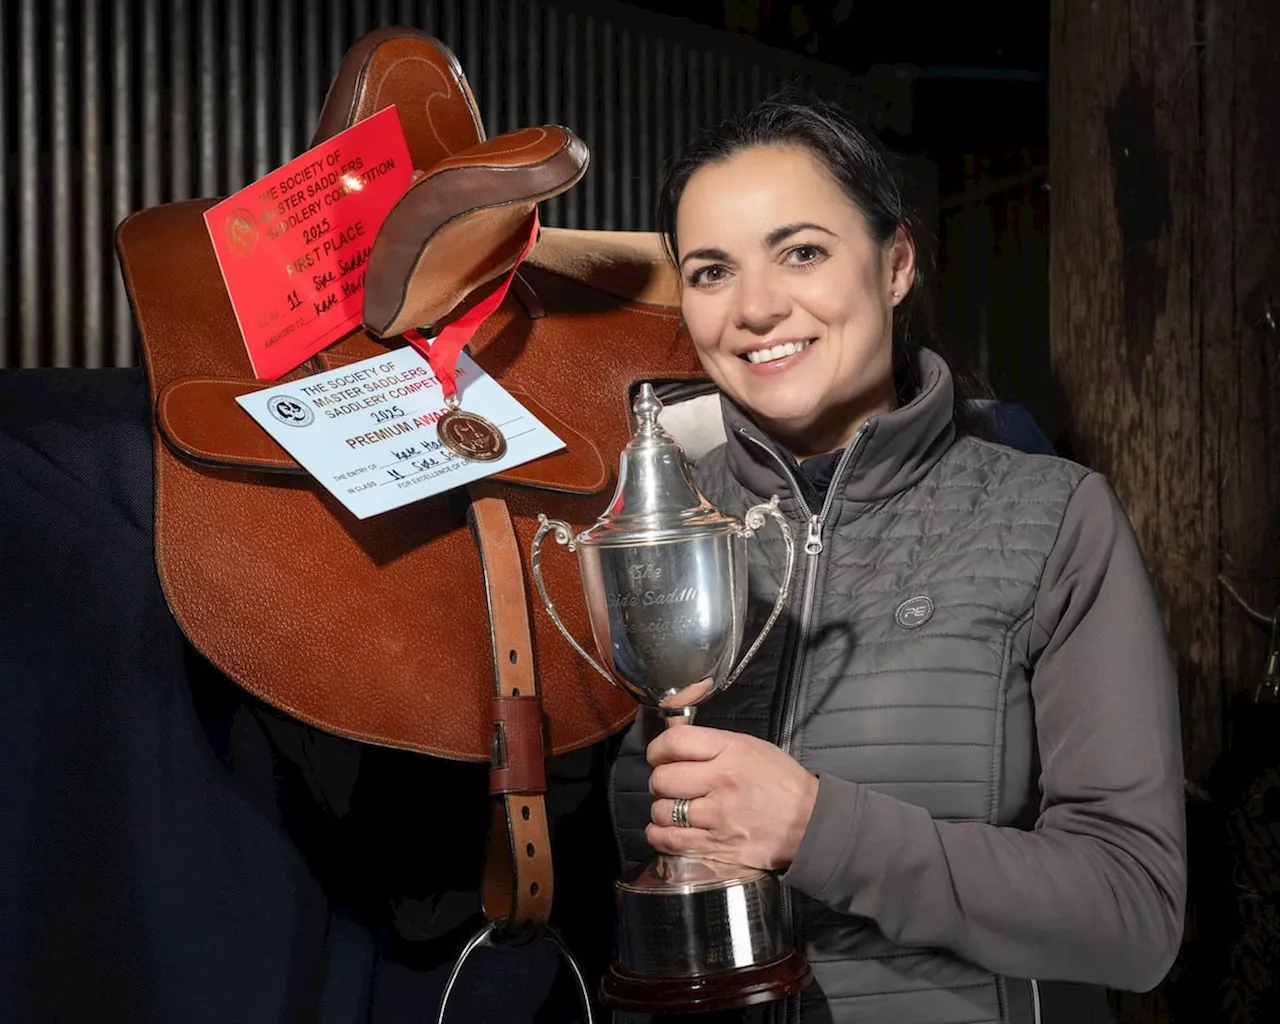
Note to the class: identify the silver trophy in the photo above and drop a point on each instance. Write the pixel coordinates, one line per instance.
(664, 574)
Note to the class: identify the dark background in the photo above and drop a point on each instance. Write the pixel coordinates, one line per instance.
(975, 80)
(1152, 358)
(107, 108)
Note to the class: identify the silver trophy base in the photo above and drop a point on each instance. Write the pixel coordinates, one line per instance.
(698, 935)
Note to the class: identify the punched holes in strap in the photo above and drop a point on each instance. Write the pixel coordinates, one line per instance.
(517, 886)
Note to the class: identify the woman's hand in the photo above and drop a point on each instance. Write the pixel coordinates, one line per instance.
(749, 803)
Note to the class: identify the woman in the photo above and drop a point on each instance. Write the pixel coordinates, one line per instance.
(960, 749)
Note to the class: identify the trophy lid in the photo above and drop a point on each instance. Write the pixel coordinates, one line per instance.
(656, 496)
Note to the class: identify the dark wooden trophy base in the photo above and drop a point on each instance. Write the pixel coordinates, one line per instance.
(726, 990)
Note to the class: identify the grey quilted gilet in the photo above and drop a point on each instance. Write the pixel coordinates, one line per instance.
(904, 672)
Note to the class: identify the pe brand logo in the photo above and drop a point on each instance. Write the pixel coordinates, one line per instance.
(914, 612)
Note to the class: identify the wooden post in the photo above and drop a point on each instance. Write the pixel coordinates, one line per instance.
(1163, 255)
(1164, 314)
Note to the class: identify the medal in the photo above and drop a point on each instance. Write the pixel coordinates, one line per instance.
(466, 434)
(470, 436)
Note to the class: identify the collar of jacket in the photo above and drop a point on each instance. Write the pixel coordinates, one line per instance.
(896, 448)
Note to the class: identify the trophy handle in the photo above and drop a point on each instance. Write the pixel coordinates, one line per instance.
(754, 519)
(564, 535)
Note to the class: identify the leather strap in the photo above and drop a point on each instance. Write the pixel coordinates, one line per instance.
(517, 888)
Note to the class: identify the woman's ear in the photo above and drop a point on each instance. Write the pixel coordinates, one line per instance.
(900, 265)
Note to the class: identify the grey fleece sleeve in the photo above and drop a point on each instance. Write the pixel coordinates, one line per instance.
(1095, 892)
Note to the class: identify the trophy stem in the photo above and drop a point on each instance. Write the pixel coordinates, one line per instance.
(678, 708)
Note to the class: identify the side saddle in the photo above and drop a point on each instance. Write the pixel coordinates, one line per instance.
(413, 629)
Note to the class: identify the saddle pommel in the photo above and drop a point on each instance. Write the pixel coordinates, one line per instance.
(463, 224)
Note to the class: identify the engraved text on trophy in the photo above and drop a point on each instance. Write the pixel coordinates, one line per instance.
(648, 586)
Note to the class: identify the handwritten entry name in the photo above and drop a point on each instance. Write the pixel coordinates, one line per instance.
(293, 246)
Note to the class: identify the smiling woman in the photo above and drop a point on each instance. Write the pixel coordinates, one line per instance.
(788, 297)
(963, 750)
(794, 216)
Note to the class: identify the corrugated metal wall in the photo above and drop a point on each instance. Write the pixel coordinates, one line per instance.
(109, 107)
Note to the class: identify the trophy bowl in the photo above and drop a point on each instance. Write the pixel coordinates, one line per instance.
(666, 614)
(664, 577)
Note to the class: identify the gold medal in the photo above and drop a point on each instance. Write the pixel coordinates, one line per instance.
(470, 436)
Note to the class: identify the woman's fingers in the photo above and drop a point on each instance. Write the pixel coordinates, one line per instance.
(671, 839)
(683, 779)
(687, 743)
(701, 813)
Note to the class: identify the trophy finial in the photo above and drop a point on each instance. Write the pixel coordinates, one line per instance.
(646, 408)
(655, 488)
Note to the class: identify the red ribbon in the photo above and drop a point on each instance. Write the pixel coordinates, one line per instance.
(442, 351)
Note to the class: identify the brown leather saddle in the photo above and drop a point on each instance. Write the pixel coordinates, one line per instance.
(413, 629)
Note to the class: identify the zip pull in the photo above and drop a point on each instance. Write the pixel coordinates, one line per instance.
(813, 542)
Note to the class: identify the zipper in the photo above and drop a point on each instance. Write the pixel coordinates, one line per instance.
(813, 548)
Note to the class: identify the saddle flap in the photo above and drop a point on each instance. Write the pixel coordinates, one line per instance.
(200, 420)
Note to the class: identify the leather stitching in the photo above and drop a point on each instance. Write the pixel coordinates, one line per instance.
(541, 133)
(426, 101)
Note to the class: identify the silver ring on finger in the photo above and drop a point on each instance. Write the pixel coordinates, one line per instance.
(680, 813)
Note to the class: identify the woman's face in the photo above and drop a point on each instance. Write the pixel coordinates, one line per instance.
(788, 298)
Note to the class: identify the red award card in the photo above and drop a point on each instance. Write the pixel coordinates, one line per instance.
(292, 246)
